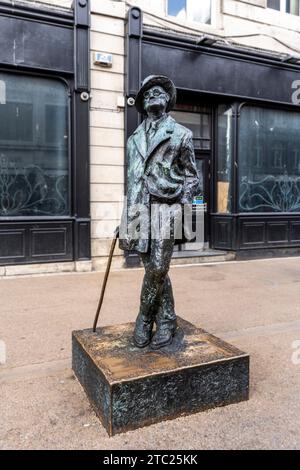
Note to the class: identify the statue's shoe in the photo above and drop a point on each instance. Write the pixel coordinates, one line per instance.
(142, 333)
(162, 337)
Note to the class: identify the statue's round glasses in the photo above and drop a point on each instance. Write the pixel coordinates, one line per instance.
(155, 92)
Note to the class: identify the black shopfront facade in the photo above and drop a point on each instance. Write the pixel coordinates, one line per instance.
(44, 134)
(240, 105)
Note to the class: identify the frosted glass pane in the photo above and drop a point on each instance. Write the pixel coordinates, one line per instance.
(269, 160)
(34, 161)
(199, 11)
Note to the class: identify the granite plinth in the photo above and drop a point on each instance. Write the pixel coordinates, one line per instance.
(130, 387)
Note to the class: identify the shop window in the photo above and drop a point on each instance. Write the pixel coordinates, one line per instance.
(55, 131)
(224, 159)
(257, 156)
(190, 10)
(198, 122)
(274, 186)
(34, 156)
(285, 6)
(278, 156)
(21, 113)
(296, 157)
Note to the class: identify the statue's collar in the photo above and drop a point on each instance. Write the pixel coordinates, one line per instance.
(164, 131)
(155, 124)
(167, 122)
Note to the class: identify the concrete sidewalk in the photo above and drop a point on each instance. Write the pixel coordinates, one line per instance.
(255, 305)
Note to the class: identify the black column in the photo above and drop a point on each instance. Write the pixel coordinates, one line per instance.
(81, 180)
(133, 76)
(133, 52)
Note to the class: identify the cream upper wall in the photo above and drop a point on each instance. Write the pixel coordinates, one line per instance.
(106, 128)
(273, 30)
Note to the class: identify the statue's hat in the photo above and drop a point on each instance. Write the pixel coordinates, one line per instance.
(149, 82)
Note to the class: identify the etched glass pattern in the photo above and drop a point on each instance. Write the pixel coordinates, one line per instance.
(34, 157)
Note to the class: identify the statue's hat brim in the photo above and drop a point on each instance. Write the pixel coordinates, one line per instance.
(149, 82)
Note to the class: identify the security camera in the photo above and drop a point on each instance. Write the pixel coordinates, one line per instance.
(84, 96)
(130, 101)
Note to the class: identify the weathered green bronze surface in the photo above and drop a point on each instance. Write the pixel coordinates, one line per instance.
(162, 179)
(130, 387)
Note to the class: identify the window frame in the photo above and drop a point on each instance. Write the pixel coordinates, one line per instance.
(198, 110)
(213, 14)
(232, 177)
(283, 8)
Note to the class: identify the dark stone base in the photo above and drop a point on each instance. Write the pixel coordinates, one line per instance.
(130, 387)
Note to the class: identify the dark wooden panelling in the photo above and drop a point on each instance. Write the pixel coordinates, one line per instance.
(222, 232)
(36, 242)
(295, 231)
(252, 233)
(82, 239)
(82, 63)
(81, 40)
(267, 230)
(12, 243)
(255, 232)
(45, 242)
(277, 232)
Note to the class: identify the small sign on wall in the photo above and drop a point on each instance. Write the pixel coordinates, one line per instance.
(198, 200)
(103, 59)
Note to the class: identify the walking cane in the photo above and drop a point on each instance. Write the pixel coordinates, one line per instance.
(113, 244)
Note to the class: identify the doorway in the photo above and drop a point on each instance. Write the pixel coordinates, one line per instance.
(199, 120)
(202, 200)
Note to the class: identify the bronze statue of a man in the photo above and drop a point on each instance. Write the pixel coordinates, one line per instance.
(161, 174)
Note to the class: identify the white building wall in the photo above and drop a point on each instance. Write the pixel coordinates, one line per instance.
(245, 22)
(107, 128)
(267, 28)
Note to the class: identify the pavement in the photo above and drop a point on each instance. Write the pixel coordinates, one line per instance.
(253, 304)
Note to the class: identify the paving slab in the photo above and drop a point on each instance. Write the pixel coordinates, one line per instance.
(254, 305)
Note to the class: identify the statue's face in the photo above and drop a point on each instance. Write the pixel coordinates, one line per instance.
(156, 100)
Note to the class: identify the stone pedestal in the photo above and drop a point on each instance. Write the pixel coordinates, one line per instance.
(130, 387)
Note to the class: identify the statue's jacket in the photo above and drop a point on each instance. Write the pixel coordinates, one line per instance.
(165, 171)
